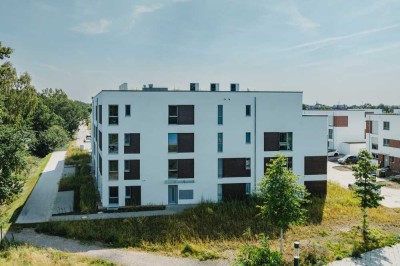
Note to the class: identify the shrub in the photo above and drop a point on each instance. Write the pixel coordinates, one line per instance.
(88, 203)
(76, 156)
(254, 255)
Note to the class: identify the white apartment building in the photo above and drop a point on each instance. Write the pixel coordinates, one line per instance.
(383, 139)
(346, 128)
(183, 147)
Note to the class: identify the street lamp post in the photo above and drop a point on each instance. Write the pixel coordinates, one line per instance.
(296, 253)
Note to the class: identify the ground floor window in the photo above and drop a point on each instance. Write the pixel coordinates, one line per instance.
(132, 195)
(113, 195)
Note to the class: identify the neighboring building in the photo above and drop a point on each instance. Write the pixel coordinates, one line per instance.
(396, 111)
(346, 128)
(383, 139)
(184, 147)
(123, 86)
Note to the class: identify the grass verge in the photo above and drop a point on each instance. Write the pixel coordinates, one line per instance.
(331, 231)
(24, 254)
(9, 212)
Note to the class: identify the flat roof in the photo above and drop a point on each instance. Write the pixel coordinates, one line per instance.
(188, 91)
(355, 142)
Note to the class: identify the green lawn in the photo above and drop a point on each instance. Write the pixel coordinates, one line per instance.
(330, 233)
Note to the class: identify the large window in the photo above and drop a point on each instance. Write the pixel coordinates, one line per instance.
(172, 142)
(131, 143)
(113, 143)
(386, 142)
(286, 141)
(374, 143)
(330, 134)
(172, 168)
(113, 195)
(113, 170)
(220, 142)
(248, 110)
(113, 114)
(181, 168)
(386, 125)
(181, 114)
(180, 142)
(220, 114)
(248, 137)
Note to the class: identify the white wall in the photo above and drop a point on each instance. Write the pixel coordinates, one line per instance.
(352, 148)
(275, 112)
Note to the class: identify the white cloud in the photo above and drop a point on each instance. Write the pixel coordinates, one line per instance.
(300, 21)
(342, 37)
(93, 27)
(382, 48)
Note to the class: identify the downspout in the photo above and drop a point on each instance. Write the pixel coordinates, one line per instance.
(255, 144)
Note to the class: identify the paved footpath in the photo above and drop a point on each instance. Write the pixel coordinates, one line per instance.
(38, 208)
(383, 256)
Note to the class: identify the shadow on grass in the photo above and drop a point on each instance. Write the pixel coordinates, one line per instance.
(316, 209)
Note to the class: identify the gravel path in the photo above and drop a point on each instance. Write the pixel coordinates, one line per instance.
(121, 256)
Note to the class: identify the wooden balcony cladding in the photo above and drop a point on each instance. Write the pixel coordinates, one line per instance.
(316, 187)
(185, 142)
(315, 165)
(394, 143)
(134, 170)
(186, 168)
(235, 167)
(186, 115)
(340, 121)
(134, 146)
(368, 126)
(271, 141)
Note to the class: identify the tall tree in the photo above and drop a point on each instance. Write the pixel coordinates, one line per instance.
(367, 190)
(283, 198)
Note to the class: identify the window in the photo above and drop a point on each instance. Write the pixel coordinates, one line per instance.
(375, 156)
(220, 167)
(220, 114)
(127, 110)
(100, 165)
(247, 191)
(181, 114)
(186, 194)
(172, 142)
(220, 142)
(113, 143)
(113, 114)
(285, 141)
(113, 195)
(172, 114)
(132, 195)
(127, 166)
(248, 166)
(172, 168)
(127, 139)
(248, 138)
(113, 170)
(374, 143)
(386, 142)
(180, 142)
(248, 110)
(96, 111)
(330, 134)
(100, 114)
(386, 125)
(100, 140)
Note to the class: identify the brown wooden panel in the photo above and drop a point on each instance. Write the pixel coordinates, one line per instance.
(186, 114)
(135, 144)
(316, 187)
(186, 168)
(395, 166)
(368, 126)
(315, 165)
(235, 167)
(271, 141)
(340, 121)
(136, 196)
(185, 142)
(134, 170)
(233, 192)
(394, 143)
(380, 160)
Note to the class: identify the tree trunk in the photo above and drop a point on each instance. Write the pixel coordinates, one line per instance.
(365, 224)
(281, 241)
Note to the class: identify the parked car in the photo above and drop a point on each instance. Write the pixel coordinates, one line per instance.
(88, 138)
(348, 159)
(333, 152)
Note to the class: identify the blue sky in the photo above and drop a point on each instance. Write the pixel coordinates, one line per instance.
(334, 51)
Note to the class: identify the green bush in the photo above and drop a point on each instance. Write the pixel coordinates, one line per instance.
(257, 256)
(88, 203)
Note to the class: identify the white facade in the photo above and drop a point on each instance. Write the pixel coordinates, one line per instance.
(346, 128)
(269, 112)
(383, 139)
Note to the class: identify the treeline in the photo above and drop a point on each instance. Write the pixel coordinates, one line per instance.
(31, 123)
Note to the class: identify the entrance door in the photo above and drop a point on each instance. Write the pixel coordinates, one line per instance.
(172, 194)
(385, 160)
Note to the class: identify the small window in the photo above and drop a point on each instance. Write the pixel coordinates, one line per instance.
(186, 194)
(113, 114)
(248, 166)
(113, 143)
(172, 142)
(127, 110)
(248, 110)
(113, 170)
(220, 142)
(386, 142)
(248, 187)
(248, 138)
(113, 195)
(172, 114)
(285, 141)
(220, 167)
(330, 134)
(172, 168)
(127, 166)
(127, 139)
(375, 156)
(386, 125)
(220, 114)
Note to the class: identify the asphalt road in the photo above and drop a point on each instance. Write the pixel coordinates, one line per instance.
(38, 208)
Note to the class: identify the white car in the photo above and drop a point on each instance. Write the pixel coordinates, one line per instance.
(333, 152)
(88, 138)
